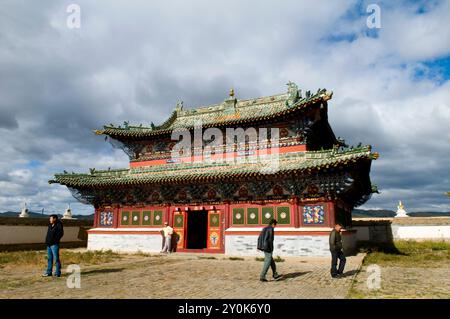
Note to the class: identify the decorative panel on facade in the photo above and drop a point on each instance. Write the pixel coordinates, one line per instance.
(178, 221)
(267, 214)
(238, 216)
(313, 214)
(283, 215)
(146, 218)
(214, 220)
(125, 218)
(157, 217)
(106, 219)
(253, 216)
(136, 218)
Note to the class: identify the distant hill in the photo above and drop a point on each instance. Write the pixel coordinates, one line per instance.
(40, 215)
(390, 213)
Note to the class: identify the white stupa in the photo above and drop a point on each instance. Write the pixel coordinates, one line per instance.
(68, 213)
(401, 212)
(24, 212)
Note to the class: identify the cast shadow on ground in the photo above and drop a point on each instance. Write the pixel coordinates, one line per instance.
(102, 271)
(293, 275)
(387, 247)
(350, 273)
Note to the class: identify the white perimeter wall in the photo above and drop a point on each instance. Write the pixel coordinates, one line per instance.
(11, 234)
(421, 232)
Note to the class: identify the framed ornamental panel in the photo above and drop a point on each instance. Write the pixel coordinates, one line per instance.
(106, 219)
(313, 215)
(146, 218)
(253, 216)
(238, 216)
(158, 218)
(135, 218)
(267, 215)
(125, 218)
(283, 215)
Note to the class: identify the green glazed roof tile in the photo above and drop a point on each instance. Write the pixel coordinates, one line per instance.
(186, 172)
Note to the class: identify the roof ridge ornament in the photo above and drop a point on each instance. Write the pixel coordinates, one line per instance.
(294, 94)
(179, 107)
(230, 103)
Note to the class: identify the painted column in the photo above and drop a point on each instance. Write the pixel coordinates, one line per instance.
(116, 216)
(296, 212)
(227, 215)
(96, 217)
(167, 216)
(331, 214)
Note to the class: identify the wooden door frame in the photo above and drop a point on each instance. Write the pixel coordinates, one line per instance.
(207, 207)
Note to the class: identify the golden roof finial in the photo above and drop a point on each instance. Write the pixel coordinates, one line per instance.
(98, 132)
(231, 93)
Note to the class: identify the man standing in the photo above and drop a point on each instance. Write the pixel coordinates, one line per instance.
(336, 252)
(55, 232)
(265, 244)
(167, 233)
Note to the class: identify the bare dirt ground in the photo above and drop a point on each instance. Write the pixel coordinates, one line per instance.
(182, 276)
(405, 282)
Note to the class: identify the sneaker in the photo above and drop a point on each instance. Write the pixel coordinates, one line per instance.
(277, 276)
(58, 276)
(336, 276)
(263, 279)
(46, 275)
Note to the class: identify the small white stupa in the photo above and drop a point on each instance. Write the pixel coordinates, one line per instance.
(68, 213)
(401, 212)
(24, 212)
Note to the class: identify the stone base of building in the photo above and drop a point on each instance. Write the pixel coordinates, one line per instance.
(124, 241)
(238, 242)
(287, 242)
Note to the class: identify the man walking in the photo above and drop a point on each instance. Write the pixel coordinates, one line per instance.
(265, 244)
(167, 233)
(55, 232)
(336, 252)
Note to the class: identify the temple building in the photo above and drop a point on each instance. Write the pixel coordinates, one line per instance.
(219, 173)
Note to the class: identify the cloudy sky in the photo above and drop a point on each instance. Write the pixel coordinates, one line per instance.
(134, 61)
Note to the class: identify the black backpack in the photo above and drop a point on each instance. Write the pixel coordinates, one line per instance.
(261, 242)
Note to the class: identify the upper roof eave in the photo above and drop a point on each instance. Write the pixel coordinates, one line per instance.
(131, 132)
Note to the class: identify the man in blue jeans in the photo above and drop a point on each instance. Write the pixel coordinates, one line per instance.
(55, 232)
(265, 244)
(336, 252)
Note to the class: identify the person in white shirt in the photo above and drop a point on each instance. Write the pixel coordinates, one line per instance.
(167, 233)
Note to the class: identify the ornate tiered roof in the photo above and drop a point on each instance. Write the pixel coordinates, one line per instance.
(289, 163)
(230, 112)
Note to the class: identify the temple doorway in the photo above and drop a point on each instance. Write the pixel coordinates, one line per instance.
(197, 229)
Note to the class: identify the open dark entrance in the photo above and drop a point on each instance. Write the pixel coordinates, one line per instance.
(197, 229)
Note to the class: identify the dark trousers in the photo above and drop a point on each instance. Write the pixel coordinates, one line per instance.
(53, 256)
(335, 255)
(268, 262)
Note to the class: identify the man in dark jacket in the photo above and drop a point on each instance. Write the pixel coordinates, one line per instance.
(336, 252)
(55, 232)
(265, 244)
